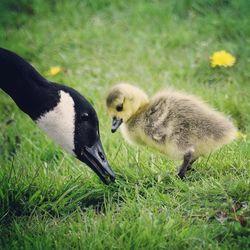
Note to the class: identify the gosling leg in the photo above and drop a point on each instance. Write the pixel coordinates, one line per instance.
(187, 164)
(190, 164)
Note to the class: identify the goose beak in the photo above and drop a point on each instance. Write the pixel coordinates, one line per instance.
(116, 122)
(98, 163)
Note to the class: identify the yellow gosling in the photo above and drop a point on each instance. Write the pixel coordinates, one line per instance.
(177, 124)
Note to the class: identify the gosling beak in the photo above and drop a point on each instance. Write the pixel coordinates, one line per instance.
(98, 163)
(116, 122)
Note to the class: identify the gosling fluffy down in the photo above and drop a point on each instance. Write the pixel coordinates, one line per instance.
(174, 123)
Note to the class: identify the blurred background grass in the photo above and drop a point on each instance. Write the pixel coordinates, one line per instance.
(50, 200)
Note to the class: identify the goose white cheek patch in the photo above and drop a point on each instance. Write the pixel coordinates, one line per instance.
(59, 123)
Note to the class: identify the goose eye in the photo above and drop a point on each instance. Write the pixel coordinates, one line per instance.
(119, 107)
(84, 116)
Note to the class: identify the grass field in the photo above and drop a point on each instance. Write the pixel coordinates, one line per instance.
(49, 200)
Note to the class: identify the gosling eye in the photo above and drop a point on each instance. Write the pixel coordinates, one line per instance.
(119, 107)
(84, 116)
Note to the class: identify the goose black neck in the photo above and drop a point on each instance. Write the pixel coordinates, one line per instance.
(16, 73)
(22, 82)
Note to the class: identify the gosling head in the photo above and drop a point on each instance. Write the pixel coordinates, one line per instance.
(123, 101)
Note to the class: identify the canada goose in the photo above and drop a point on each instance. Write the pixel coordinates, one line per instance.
(64, 114)
(176, 124)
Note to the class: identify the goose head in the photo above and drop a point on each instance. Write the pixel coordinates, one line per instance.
(73, 124)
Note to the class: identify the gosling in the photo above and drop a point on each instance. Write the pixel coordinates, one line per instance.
(176, 124)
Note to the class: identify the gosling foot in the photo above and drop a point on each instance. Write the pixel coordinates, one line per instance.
(188, 160)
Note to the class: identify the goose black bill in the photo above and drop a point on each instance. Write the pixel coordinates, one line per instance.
(96, 160)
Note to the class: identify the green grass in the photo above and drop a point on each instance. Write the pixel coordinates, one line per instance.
(49, 200)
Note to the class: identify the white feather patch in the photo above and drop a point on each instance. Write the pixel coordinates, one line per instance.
(59, 123)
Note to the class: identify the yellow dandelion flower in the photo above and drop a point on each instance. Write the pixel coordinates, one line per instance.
(55, 70)
(222, 59)
(241, 136)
